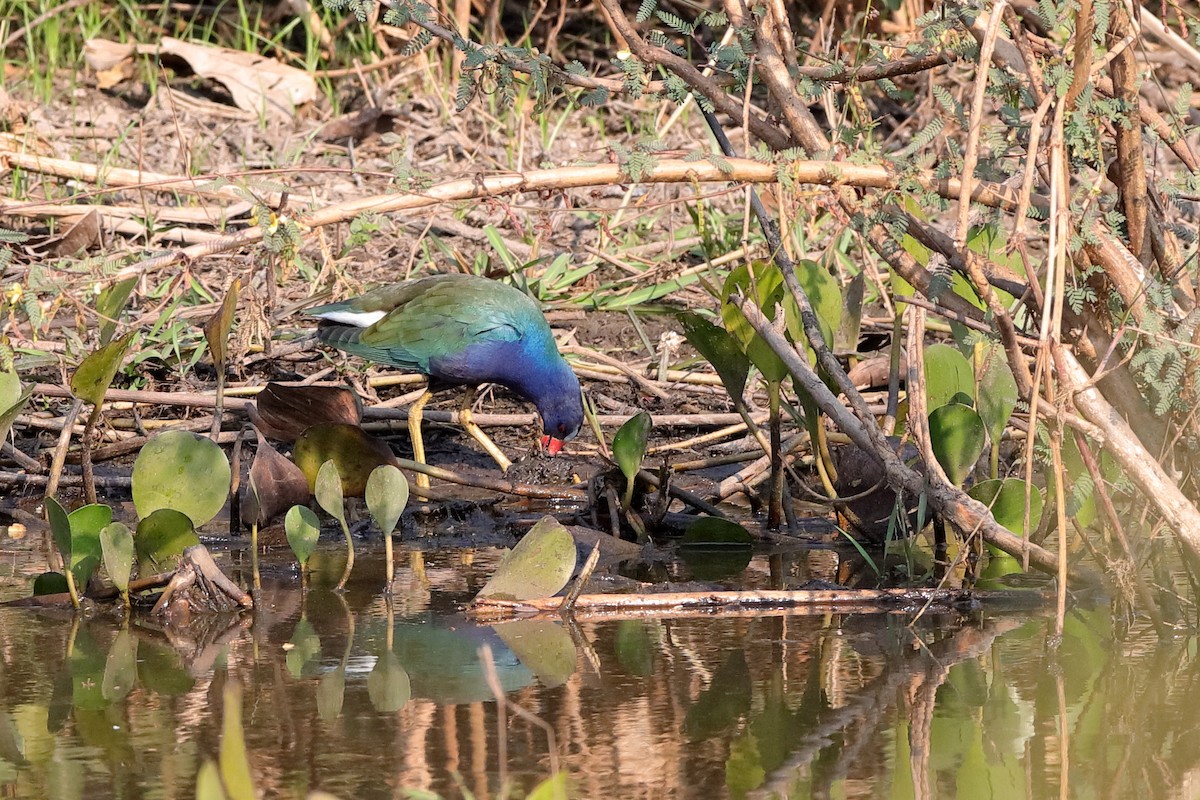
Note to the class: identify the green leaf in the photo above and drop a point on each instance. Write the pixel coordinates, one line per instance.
(947, 372)
(86, 524)
(235, 764)
(553, 788)
(216, 329)
(718, 348)
(824, 294)
(305, 648)
(331, 694)
(181, 471)
(996, 391)
(354, 453)
(116, 545)
(13, 397)
(957, 435)
(764, 288)
(60, 527)
(539, 566)
(1006, 499)
(388, 685)
(95, 373)
(328, 491)
(208, 782)
(303, 529)
(386, 496)
(716, 532)
(110, 304)
(629, 444)
(161, 539)
(50, 583)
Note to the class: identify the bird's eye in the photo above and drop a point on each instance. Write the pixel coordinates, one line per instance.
(562, 427)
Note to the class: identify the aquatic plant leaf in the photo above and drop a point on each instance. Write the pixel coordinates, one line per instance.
(50, 583)
(996, 390)
(718, 348)
(95, 373)
(303, 528)
(539, 566)
(957, 435)
(217, 327)
(765, 290)
(331, 693)
(283, 411)
(161, 670)
(110, 304)
(86, 665)
(13, 398)
(208, 782)
(552, 788)
(1006, 499)
(60, 527)
(120, 668)
(234, 762)
(388, 685)
(328, 491)
(355, 453)
(274, 486)
(305, 647)
(947, 372)
(716, 532)
(386, 495)
(161, 539)
(629, 444)
(543, 646)
(183, 471)
(116, 546)
(824, 294)
(708, 563)
(86, 553)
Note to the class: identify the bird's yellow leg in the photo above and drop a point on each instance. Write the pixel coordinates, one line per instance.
(415, 412)
(464, 419)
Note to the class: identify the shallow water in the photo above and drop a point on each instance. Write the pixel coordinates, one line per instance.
(345, 694)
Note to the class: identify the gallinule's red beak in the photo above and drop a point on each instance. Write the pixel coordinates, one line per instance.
(552, 445)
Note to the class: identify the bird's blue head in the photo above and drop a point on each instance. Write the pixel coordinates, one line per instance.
(561, 410)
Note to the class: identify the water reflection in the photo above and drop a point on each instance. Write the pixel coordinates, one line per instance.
(365, 698)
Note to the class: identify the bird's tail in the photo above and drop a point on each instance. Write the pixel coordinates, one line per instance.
(343, 337)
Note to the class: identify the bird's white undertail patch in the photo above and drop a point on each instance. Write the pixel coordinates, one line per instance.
(359, 319)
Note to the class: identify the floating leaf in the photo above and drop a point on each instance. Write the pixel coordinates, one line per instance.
(235, 764)
(947, 372)
(95, 373)
(996, 389)
(217, 327)
(718, 348)
(275, 485)
(181, 471)
(544, 647)
(283, 412)
(116, 545)
(388, 685)
(957, 435)
(303, 529)
(13, 397)
(629, 447)
(120, 669)
(716, 532)
(539, 566)
(1006, 499)
(355, 453)
(86, 524)
(110, 304)
(161, 539)
(386, 495)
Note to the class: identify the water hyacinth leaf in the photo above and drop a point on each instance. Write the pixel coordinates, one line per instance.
(182, 471)
(60, 527)
(629, 447)
(957, 435)
(996, 389)
(545, 647)
(110, 304)
(120, 669)
(388, 685)
(50, 583)
(1006, 499)
(824, 294)
(331, 694)
(355, 454)
(275, 485)
(208, 782)
(303, 529)
(947, 372)
(386, 496)
(116, 546)
(718, 348)
(328, 491)
(86, 553)
(217, 327)
(764, 288)
(716, 532)
(95, 373)
(161, 539)
(282, 411)
(234, 762)
(539, 566)
(13, 398)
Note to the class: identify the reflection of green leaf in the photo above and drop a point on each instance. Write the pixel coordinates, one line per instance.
(95, 373)
(235, 764)
(539, 566)
(208, 782)
(724, 702)
(161, 671)
(543, 646)
(553, 788)
(303, 529)
(305, 646)
(635, 646)
(116, 545)
(716, 532)
(331, 692)
(743, 769)
(182, 471)
(957, 435)
(718, 348)
(161, 539)
(715, 563)
(120, 669)
(388, 685)
(87, 664)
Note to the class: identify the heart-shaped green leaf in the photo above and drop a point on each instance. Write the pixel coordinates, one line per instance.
(386, 496)
(947, 372)
(1006, 499)
(996, 392)
(161, 539)
(305, 648)
(60, 527)
(629, 444)
(763, 288)
(116, 545)
(957, 435)
(86, 524)
(95, 373)
(716, 532)
(181, 471)
(303, 529)
(539, 566)
(110, 304)
(13, 397)
(718, 348)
